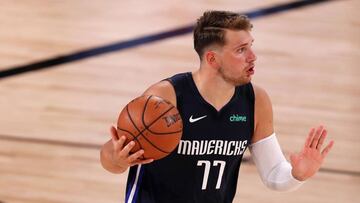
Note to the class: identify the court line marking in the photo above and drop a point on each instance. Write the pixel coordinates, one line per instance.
(246, 160)
(49, 142)
(127, 44)
(118, 46)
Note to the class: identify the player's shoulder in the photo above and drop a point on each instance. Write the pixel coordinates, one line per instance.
(261, 96)
(263, 114)
(263, 106)
(163, 89)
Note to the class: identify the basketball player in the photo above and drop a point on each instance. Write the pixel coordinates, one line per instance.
(223, 113)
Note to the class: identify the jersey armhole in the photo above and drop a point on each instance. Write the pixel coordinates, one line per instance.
(252, 98)
(177, 94)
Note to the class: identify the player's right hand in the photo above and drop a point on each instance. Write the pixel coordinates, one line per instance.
(121, 156)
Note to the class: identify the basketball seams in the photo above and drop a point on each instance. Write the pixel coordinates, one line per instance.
(164, 133)
(132, 121)
(149, 107)
(143, 112)
(148, 127)
(141, 132)
(154, 121)
(134, 137)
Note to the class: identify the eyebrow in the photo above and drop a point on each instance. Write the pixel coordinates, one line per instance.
(241, 45)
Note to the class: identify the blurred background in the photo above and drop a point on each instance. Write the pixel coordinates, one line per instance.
(67, 68)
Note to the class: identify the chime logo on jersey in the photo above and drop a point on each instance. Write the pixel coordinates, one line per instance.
(237, 118)
(212, 147)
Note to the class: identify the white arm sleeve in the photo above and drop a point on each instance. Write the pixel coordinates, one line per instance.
(272, 166)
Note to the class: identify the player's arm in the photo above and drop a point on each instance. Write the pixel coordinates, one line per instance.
(114, 154)
(264, 126)
(275, 171)
(163, 89)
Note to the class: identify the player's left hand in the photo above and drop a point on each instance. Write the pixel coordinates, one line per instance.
(306, 163)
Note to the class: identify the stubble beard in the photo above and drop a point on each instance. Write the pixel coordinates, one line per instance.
(233, 79)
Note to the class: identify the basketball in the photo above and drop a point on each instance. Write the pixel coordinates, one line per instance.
(153, 123)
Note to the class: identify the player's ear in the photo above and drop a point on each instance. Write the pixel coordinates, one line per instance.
(211, 58)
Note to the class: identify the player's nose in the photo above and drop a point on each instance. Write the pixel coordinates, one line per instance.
(252, 56)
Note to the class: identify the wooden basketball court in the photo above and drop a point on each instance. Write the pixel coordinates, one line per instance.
(53, 121)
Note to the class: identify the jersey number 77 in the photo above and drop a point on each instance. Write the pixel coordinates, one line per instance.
(207, 165)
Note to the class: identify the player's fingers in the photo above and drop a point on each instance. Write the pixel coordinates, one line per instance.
(120, 144)
(135, 156)
(126, 150)
(327, 149)
(114, 139)
(113, 133)
(321, 140)
(309, 137)
(316, 137)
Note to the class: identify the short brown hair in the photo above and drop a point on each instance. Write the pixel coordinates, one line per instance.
(210, 28)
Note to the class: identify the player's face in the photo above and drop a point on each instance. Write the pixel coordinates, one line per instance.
(237, 57)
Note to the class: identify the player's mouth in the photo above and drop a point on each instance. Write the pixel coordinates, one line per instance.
(251, 70)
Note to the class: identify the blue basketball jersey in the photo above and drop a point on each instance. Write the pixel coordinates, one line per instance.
(205, 165)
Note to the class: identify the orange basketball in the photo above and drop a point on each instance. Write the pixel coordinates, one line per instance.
(153, 123)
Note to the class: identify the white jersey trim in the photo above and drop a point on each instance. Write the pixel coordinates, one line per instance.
(133, 189)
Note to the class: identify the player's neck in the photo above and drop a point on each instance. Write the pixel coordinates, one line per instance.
(213, 88)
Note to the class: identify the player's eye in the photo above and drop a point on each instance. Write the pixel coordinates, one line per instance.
(241, 50)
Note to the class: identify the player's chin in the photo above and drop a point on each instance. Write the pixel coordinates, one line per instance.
(242, 81)
(248, 76)
(247, 80)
